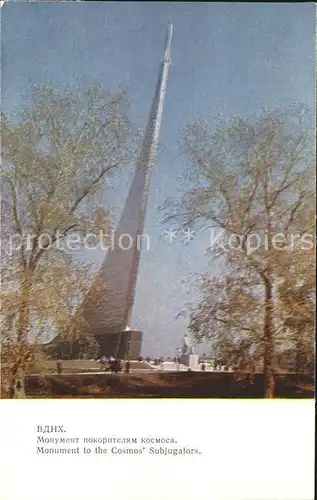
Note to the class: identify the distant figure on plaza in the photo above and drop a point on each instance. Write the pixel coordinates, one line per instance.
(115, 365)
(203, 367)
(19, 389)
(127, 366)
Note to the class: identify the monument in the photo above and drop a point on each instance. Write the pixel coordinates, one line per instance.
(188, 356)
(107, 308)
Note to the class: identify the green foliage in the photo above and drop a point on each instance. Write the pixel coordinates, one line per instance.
(56, 160)
(250, 181)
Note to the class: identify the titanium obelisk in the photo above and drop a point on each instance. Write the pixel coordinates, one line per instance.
(107, 308)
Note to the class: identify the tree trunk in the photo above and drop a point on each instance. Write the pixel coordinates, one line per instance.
(17, 378)
(13, 381)
(299, 353)
(24, 313)
(268, 334)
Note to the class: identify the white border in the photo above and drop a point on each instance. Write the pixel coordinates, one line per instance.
(251, 449)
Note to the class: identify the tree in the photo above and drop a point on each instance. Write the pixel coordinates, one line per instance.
(56, 159)
(296, 299)
(228, 316)
(250, 185)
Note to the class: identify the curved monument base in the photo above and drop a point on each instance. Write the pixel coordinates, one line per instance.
(122, 345)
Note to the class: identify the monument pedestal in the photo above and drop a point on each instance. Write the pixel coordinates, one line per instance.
(190, 360)
(122, 345)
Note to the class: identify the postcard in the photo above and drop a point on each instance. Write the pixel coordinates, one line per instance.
(158, 250)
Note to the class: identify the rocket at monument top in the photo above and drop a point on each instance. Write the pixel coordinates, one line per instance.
(167, 54)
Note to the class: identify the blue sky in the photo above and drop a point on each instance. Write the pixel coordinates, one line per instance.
(227, 59)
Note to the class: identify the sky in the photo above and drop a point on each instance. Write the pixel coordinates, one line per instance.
(227, 59)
